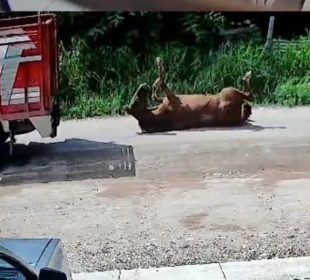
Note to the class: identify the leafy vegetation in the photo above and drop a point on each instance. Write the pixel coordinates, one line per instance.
(102, 65)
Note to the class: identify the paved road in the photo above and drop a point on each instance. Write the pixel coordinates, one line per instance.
(198, 196)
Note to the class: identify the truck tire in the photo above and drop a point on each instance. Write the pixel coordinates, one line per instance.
(55, 119)
(5, 6)
(3, 135)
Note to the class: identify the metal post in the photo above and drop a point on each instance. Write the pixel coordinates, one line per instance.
(270, 32)
(11, 143)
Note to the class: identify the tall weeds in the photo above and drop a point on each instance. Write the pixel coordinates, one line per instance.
(100, 81)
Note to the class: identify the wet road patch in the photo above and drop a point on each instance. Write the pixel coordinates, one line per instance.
(73, 159)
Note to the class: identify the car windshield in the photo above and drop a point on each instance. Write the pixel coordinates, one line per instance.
(5, 265)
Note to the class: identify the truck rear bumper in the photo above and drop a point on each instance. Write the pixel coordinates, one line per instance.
(43, 124)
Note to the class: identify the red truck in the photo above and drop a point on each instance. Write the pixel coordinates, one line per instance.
(28, 77)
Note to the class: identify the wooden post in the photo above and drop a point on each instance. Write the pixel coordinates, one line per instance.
(270, 32)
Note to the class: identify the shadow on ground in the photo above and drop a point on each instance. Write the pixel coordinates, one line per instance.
(248, 126)
(74, 159)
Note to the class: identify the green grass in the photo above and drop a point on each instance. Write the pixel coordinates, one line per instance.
(98, 82)
(294, 92)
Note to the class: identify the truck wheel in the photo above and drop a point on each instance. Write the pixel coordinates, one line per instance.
(3, 135)
(5, 6)
(55, 119)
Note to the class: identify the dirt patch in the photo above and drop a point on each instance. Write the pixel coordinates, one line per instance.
(126, 191)
(12, 191)
(195, 221)
(226, 227)
(273, 176)
(122, 188)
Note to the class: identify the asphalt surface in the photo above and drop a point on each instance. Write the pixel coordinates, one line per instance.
(197, 197)
(72, 159)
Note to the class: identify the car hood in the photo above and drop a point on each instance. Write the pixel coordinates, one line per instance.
(29, 250)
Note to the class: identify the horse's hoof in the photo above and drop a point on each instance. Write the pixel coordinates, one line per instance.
(127, 109)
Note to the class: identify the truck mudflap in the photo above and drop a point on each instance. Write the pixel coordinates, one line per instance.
(5, 6)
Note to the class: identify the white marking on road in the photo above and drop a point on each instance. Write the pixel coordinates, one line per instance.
(277, 269)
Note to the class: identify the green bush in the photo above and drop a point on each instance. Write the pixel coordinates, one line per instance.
(294, 92)
(100, 81)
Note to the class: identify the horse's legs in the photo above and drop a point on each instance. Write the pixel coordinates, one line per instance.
(139, 101)
(246, 111)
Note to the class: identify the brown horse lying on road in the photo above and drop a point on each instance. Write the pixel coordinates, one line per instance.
(230, 107)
